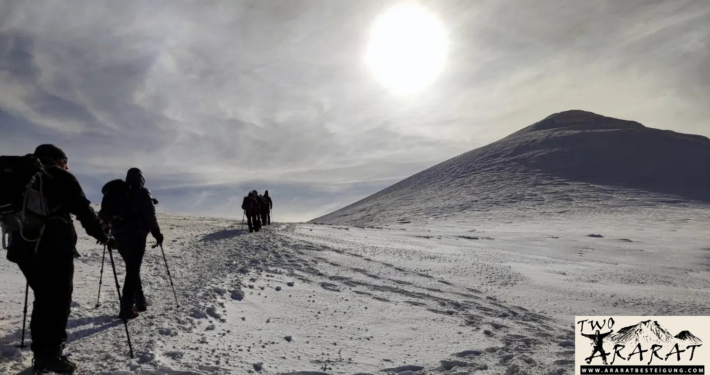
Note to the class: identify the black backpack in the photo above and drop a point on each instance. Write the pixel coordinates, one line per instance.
(23, 205)
(120, 204)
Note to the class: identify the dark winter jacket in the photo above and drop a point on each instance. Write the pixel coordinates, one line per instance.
(263, 204)
(140, 217)
(65, 197)
(250, 205)
(268, 200)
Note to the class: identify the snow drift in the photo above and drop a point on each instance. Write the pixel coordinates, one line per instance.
(572, 159)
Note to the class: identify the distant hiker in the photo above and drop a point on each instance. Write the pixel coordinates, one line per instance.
(251, 207)
(45, 250)
(263, 209)
(598, 339)
(268, 200)
(130, 210)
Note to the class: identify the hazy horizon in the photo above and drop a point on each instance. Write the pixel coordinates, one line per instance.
(310, 100)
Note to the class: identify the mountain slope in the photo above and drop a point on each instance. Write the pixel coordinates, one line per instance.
(573, 159)
(686, 336)
(647, 333)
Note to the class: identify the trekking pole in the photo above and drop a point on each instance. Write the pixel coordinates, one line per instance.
(101, 278)
(24, 319)
(244, 212)
(118, 290)
(168, 268)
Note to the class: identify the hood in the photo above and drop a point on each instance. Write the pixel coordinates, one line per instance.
(135, 178)
(113, 185)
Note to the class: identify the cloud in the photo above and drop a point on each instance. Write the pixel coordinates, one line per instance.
(211, 99)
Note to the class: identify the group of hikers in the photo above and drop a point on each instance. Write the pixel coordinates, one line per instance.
(257, 209)
(38, 195)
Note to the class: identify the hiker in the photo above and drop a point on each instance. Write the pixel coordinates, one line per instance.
(130, 210)
(48, 265)
(268, 200)
(598, 339)
(263, 209)
(251, 209)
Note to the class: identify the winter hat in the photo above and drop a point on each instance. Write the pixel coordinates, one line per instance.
(135, 178)
(49, 152)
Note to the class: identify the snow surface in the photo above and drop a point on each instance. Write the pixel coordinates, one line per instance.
(477, 265)
(495, 296)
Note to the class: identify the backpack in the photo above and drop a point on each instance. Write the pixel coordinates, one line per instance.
(23, 205)
(114, 201)
(250, 205)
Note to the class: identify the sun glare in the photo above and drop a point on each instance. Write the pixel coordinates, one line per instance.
(407, 49)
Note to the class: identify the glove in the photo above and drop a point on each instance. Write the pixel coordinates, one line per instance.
(111, 243)
(159, 237)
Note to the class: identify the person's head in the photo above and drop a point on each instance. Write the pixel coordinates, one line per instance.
(134, 178)
(52, 155)
(266, 193)
(597, 332)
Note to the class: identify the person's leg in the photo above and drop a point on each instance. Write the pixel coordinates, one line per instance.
(603, 354)
(589, 359)
(139, 298)
(38, 318)
(128, 247)
(257, 224)
(250, 223)
(51, 281)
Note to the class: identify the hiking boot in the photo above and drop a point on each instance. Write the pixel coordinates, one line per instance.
(141, 308)
(57, 364)
(129, 315)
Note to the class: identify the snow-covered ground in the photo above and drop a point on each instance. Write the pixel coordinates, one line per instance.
(453, 295)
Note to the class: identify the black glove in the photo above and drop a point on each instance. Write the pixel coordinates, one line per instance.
(111, 243)
(158, 237)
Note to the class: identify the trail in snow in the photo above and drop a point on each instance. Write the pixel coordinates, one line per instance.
(444, 297)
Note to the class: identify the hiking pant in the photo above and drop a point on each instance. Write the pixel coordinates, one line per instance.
(253, 222)
(264, 218)
(51, 280)
(131, 246)
(268, 218)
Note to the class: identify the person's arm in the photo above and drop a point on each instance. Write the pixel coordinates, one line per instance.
(588, 336)
(271, 203)
(148, 211)
(605, 334)
(79, 206)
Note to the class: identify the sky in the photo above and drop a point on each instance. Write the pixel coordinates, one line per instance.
(213, 99)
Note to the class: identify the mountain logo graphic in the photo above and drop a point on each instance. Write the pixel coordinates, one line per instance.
(646, 339)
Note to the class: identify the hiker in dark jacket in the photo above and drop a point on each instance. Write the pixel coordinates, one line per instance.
(268, 200)
(131, 233)
(251, 210)
(263, 209)
(50, 271)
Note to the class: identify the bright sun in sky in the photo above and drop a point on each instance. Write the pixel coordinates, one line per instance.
(407, 48)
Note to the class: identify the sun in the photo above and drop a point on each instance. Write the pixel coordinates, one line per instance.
(407, 48)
